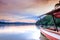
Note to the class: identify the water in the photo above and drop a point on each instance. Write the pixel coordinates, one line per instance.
(27, 32)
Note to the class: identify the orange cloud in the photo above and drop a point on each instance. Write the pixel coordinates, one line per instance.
(37, 7)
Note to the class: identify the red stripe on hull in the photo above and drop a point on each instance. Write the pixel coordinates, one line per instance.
(48, 36)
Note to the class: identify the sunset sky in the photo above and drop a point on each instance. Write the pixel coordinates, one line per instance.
(24, 10)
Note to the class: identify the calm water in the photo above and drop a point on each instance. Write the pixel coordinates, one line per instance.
(27, 32)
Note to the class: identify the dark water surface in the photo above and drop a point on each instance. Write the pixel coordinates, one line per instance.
(27, 32)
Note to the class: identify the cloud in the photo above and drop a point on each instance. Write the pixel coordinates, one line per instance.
(2, 20)
(20, 9)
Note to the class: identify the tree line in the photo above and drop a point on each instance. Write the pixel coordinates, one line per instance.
(48, 21)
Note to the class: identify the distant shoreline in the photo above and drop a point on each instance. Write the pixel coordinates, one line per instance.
(15, 23)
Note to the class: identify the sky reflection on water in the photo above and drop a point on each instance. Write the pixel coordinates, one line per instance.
(29, 32)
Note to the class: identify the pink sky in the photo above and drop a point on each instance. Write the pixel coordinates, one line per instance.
(18, 10)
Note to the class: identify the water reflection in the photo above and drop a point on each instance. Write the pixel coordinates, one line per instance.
(26, 32)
